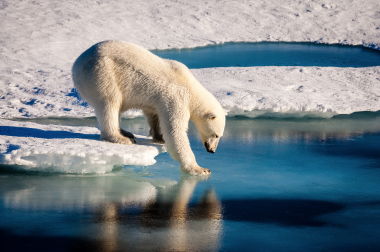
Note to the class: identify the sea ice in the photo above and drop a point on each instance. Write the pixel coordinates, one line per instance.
(35, 66)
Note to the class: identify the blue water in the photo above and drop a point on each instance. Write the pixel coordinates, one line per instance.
(276, 185)
(273, 54)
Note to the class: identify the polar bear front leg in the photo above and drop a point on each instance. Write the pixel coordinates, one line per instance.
(109, 122)
(183, 153)
(174, 129)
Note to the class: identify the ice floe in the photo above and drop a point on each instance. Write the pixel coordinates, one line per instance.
(66, 149)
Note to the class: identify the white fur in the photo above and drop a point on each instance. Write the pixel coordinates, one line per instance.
(115, 76)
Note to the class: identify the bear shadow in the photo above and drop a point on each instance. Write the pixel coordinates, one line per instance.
(60, 134)
(39, 133)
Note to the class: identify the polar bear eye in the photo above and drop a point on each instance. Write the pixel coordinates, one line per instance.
(210, 116)
(216, 136)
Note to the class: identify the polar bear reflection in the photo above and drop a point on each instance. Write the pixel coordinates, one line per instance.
(124, 210)
(168, 220)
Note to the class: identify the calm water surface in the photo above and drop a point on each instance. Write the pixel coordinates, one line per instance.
(273, 54)
(276, 185)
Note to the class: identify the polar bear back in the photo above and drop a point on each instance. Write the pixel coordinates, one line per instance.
(117, 68)
(127, 56)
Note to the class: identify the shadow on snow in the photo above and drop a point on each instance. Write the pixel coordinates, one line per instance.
(38, 133)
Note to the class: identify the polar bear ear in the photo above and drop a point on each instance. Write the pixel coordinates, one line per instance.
(210, 116)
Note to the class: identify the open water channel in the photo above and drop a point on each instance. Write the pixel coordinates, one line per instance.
(274, 54)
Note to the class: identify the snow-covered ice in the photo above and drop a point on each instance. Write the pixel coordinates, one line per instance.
(318, 91)
(40, 40)
(66, 149)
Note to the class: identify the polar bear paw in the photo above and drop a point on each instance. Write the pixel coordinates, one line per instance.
(126, 133)
(197, 170)
(160, 141)
(120, 140)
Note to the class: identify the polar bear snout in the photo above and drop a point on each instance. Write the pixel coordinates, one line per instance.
(207, 146)
(211, 145)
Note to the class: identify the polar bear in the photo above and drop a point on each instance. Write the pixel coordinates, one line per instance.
(115, 76)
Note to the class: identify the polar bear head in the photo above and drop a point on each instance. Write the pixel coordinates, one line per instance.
(211, 127)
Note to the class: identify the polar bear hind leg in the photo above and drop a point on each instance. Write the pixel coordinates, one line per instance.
(109, 121)
(95, 81)
(155, 130)
(126, 133)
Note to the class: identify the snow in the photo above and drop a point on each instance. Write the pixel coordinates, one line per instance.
(40, 40)
(67, 149)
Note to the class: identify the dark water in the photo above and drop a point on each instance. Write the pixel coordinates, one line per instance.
(273, 54)
(276, 185)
